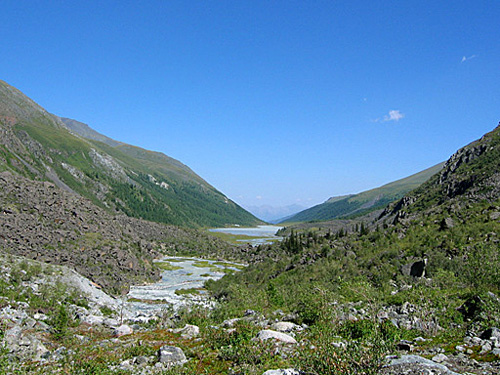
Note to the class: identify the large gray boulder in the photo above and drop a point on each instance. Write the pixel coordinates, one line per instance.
(171, 355)
(414, 364)
(415, 269)
(285, 326)
(267, 334)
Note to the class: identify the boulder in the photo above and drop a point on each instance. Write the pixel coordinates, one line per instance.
(415, 269)
(267, 334)
(439, 358)
(188, 331)
(288, 371)
(123, 330)
(171, 355)
(285, 326)
(414, 364)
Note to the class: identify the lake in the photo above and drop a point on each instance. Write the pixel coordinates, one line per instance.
(256, 235)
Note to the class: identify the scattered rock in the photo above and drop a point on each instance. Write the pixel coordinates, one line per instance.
(415, 269)
(123, 330)
(285, 326)
(405, 345)
(188, 331)
(439, 358)
(267, 334)
(171, 355)
(288, 371)
(414, 364)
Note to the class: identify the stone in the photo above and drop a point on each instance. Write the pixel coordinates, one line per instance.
(123, 330)
(418, 365)
(415, 269)
(485, 348)
(439, 358)
(405, 345)
(285, 326)
(288, 371)
(476, 341)
(111, 322)
(188, 331)
(447, 223)
(230, 322)
(92, 319)
(267, 334)
(141, 360)
(171, 355)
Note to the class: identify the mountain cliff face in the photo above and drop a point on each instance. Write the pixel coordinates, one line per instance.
(113, 175)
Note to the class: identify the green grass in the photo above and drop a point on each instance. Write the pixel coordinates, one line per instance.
(229, 264)
(194, 291)
(167, 266)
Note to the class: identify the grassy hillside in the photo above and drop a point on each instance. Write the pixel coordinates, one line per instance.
(348, 285)
(362, 203)
(114, 175)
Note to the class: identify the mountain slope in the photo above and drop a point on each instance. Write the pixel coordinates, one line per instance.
(470, 177)
(114, 175)
(364, 202)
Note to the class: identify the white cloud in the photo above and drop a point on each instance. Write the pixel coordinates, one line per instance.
(259, 197)
(465, 58)
(394, 115)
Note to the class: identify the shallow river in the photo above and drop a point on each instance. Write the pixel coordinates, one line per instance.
(191, 273)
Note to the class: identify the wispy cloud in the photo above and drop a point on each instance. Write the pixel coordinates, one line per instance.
(394, 115)
(465, 58)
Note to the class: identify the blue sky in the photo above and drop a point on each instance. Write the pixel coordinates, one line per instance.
(272, 102)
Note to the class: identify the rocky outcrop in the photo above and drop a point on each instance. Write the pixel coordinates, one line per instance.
(42, 222)
(471, 173)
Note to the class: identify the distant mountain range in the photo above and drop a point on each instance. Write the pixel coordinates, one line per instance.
(272, 214)
(347, 206)
(114, 175)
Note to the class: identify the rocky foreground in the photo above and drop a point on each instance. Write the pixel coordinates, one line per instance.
(57, 321)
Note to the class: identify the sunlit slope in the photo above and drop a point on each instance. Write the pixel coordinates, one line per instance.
(364, 202)
(114, 175)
